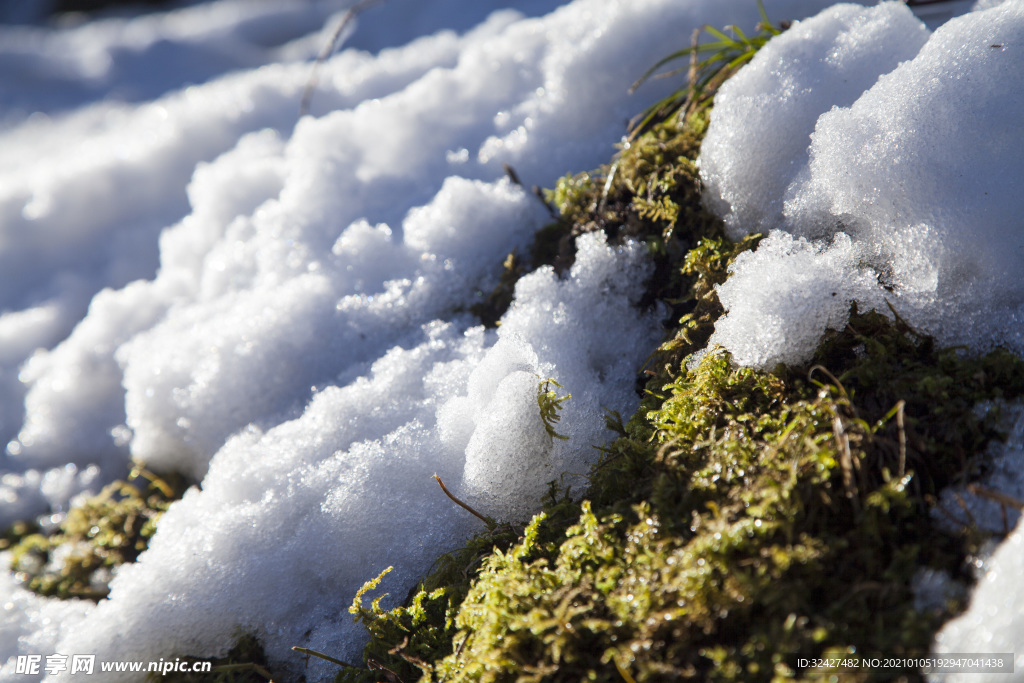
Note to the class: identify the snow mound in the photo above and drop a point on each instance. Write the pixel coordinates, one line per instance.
(782, 297)
(916, 166)
(759, 139)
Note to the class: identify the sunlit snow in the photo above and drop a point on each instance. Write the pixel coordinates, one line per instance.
(195, 277)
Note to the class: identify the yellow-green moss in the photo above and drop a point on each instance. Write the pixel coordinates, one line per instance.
(649, 188)
(97, 535)
(754, 519)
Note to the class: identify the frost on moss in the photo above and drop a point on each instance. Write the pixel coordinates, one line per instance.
(98, 534)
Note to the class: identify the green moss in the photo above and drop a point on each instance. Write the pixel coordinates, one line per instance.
(97, 535)
(769, 518)
(765, 521)
(406, 640)
(550, 403)
(17, 532)
(416, 632)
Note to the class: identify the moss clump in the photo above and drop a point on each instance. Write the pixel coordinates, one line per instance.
(418, 630)
(649, 189)
(769, 518)
(17, 532)
(405, 641)
(741, 520)
(98, 534)
(550, 403)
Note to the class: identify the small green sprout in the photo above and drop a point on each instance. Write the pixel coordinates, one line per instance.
(550, 403)
(704, 77)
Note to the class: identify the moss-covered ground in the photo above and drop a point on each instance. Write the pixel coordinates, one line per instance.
(741, 520)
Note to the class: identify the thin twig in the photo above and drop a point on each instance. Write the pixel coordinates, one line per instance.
(489, 522)
(693, 73)
(399, 650)
(946, 511)
(539, 194)
(607, 187)
(963, 506)
(623, 671)
(998, 497)
(903, 437)
(846, 460)
(512, 175)
(328, 50)
(307, 651)
(374, 664)
(828, 374)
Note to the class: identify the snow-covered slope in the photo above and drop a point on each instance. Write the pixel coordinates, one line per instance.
(195, 277)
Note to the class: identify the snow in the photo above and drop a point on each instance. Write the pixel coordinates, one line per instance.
(196, 277)
(902, 151)
(993, 622)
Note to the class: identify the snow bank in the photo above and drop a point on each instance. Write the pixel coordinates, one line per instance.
(278, 306)
(914, 164)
